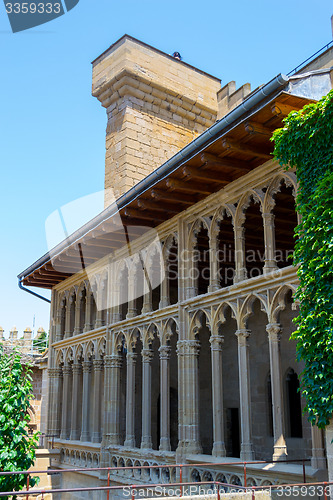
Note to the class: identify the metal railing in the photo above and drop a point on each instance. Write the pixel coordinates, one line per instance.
(181, 468)
(321, 489)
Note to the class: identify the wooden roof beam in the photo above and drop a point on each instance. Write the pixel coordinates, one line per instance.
(188, 187)
(254, 128)
(215, 161)
(280, 109)
(142, 214)
(238, 147)
(150, 205)
(194, 173)
(186, 199)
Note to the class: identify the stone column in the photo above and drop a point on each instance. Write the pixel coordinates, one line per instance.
(269, 236)
(66, 406)
(165, 397)
(318, 459)
(147, 356)
(68, 332)
(329, 448)
(191, 270)
(130, 399)
(55, 375)
(75, 432)
(99, 305)
(241, 272)
(190, 352)
(131, 312)
(58, 335)
(112, 367)
(214, 281)
(86, 368)
(96, 420)
(280, 447)
(87, 325)
(77, 329)
(147, 295)
(244, 394)
(165, 288)
(216, 342)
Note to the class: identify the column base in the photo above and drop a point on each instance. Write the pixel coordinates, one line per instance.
(214, 287)
(247, 452)
(280, 453)
(63, 435)
(163, 303)
(146, 443)
(96, 437)
(192, 447)
(85, 436)
(130, 442)
(74, 436)
(269, 269)
(219, 449)
(165, 444)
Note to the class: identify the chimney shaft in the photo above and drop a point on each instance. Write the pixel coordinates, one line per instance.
(155, 105)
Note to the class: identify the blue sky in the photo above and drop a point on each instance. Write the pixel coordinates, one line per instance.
(52, 129)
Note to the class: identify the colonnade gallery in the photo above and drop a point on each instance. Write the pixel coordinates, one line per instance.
(172, 310)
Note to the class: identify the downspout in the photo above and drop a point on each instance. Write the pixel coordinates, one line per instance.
(32, 293)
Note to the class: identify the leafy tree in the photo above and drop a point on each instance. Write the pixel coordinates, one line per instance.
(41, 342)
(17, 448)
(306, 142)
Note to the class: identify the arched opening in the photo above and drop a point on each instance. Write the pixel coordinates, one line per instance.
(155, 394)
(202, 258)
(226, 253)
(155, 280)
(205, 388)
(93, 310)
(104, 300)
(230, 385)
(259, 366)
(123, 293)
(254, 240)
(173, 392)
(294, 408)
(72, 314)
(138, 393)
(83, 296)
(63, 318)
(172, 272)
(285, 221)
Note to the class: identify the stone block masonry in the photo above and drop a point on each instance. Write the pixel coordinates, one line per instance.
(155, 106)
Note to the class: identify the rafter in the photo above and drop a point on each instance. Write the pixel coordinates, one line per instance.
(215, 161)
(150, 205)
(143, 214)
(255, 128)
(194, 173)
(238, 147)
(188, 187)
(168, 195)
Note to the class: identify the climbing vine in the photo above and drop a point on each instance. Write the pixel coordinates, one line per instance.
(306, 143)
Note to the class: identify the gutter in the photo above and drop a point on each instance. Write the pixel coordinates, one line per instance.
(32, 293)
(166, 169)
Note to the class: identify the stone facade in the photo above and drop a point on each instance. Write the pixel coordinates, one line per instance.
(179, 351)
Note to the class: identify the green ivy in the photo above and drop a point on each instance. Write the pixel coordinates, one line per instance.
(17, 448)
(306, 143)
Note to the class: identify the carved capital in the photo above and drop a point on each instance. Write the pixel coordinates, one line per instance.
(86, 366)
(98, 365)
(76, 367)
(54, 372)
(274, 332)
(66, 370)
(113, 361)
(165, 352)
(131, 357)
(216, 342)
(242, 336)
(147, 355)
(188, 348)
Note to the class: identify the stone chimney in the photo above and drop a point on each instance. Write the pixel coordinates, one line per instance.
(13, 333)
(155, 103)
(27, 335)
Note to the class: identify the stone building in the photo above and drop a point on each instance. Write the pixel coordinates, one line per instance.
(38, 362)
(172, 310)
